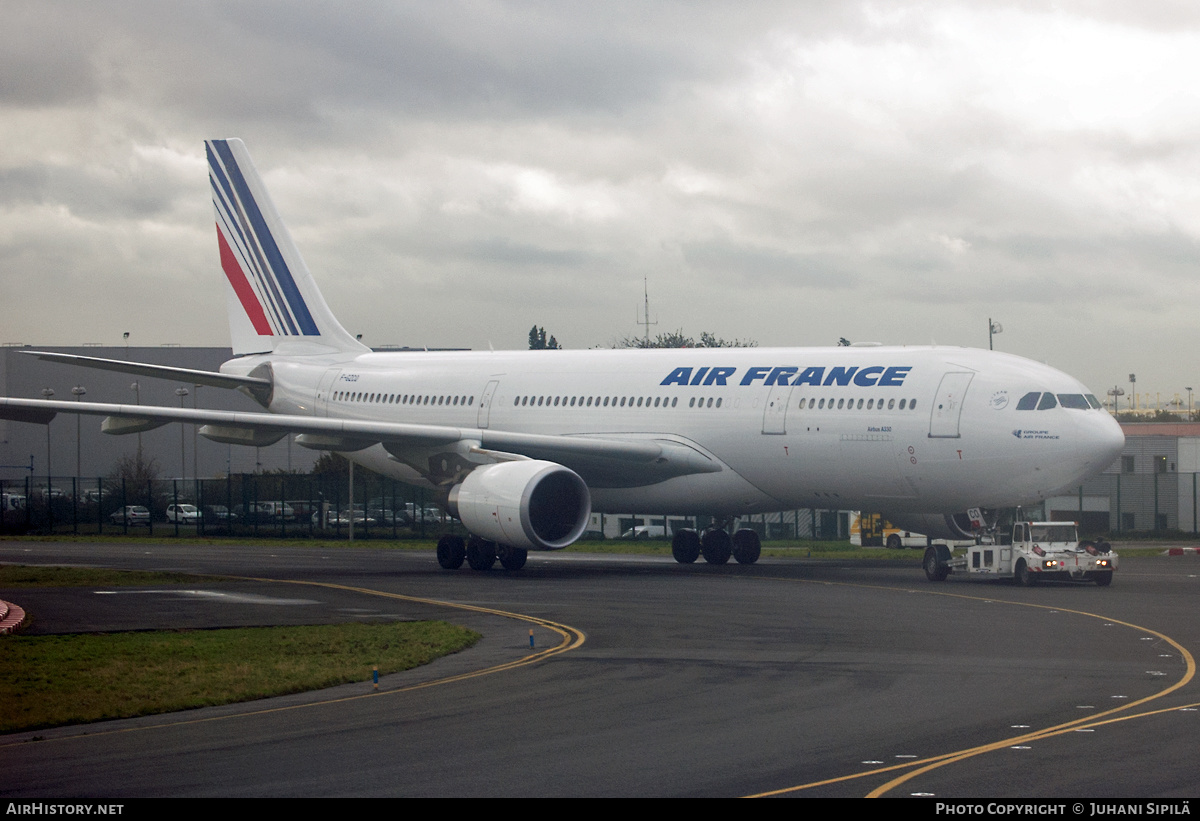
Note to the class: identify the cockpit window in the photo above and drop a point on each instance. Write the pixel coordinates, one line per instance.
(1074, 401)
(1045, 401)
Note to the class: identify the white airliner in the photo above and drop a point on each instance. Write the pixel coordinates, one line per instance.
(524, 445)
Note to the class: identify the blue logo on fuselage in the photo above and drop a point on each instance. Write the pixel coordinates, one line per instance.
(874, 376)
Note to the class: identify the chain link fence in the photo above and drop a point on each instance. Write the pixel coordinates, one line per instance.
(241, 505)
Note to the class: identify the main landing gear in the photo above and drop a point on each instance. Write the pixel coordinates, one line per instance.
(479, 553)
(716, 546)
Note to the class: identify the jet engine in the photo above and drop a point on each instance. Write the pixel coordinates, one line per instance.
(531, 504)
(954, 526)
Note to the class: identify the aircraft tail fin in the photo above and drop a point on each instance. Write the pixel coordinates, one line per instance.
(272, 297)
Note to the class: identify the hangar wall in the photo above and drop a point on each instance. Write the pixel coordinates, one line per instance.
(25, 376)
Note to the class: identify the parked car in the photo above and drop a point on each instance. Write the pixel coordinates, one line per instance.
(645, 532)
(218, 513)
(341, 518)
(414, 514)
(264, 512)
(183, 514)
(385, 517)
(131, 515)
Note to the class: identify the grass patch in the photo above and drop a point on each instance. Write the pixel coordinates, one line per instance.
(49, 681)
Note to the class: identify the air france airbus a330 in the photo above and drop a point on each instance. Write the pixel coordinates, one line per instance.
(522, 446)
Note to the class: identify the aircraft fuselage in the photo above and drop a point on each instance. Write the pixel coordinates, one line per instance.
(881, 428)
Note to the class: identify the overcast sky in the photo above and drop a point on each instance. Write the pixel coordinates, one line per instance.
(455, 172)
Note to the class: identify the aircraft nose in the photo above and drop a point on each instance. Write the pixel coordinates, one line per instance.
(1101, 441)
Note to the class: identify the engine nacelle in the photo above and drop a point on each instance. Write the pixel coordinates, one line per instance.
(531, 504)
(953, 526)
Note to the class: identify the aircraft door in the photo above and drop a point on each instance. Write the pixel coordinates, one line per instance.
(485, 403)
(947, 405)
(775, 414)
(324, 388)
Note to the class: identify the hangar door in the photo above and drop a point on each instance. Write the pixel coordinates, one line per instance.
(947, 405)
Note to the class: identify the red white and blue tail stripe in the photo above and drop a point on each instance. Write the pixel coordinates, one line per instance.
(272, 295)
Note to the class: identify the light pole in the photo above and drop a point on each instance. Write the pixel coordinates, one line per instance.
(46, 394)
(993, 329)
(182, 394)
(137, 398)
(195, 449)
(1132, 391)
(78, 391)
(1114, 392)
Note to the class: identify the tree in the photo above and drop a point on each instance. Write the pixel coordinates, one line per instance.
(136, 470)
(331, 464)
(538, 341)
(1159, 416)
(133, 475)
(677, 339)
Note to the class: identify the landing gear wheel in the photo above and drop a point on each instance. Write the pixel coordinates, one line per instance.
(894, 542)
(512, 558)
(1103, 578)
(685, 546)
(936, 568)
(746, 546)
(481, 554)
(1023, 576)
(716, 546)
(451, 550)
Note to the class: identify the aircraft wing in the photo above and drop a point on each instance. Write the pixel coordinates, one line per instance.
(601, 460)
(188, 375)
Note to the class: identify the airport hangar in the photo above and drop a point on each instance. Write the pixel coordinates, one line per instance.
(25, 376)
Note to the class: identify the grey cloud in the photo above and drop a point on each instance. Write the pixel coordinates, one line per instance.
(757, 265)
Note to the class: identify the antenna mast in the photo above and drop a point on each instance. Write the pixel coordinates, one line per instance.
(646, 311)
